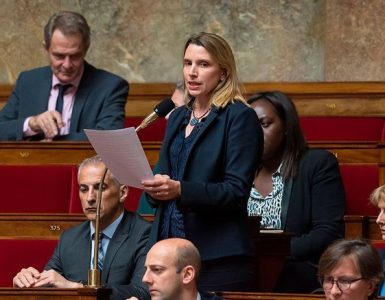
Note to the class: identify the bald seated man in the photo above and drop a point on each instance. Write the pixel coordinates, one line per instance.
(172, 269)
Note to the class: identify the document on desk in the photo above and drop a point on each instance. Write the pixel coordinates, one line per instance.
(122, 152)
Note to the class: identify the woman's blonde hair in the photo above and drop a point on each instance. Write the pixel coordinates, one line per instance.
(229, 89)
(378, 195)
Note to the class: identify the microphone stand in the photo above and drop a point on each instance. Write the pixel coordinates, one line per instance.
(94, 274)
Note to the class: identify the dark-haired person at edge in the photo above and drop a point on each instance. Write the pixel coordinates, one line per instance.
(297, 190)
(350, 270)
(57, 102)
(204, 180)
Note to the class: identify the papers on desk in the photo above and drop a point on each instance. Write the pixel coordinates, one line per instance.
(122, 152)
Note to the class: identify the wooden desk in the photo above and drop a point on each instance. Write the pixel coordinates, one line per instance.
(51, 293)
(310, 98)
(271, 252)
(39, 226)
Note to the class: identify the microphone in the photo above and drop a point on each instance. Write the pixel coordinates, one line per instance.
(161, 110)
(94, 274)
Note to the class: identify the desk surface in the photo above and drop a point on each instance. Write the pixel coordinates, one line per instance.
(50, 293)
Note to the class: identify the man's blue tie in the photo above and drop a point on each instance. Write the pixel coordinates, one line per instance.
(101, 252)
(60, 97)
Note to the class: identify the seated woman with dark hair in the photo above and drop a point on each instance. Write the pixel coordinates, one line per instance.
(351, 270)
(297, 190)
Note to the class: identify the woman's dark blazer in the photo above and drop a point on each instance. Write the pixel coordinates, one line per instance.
(313, 205)
(217, 179)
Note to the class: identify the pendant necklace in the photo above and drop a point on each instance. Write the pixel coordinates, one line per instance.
(195, 120)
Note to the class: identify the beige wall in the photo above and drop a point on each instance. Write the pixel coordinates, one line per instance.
(273, 40)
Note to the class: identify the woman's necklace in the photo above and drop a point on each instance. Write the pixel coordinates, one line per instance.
(195, 120)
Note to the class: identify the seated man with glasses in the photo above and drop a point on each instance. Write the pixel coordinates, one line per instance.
(350, 269)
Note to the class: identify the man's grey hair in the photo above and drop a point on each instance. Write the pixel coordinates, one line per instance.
(69, 23)
(95, 160)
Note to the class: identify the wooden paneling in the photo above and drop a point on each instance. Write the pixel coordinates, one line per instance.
(311, 98)
(356, 227)
(37, 153)
(39, 226)
(12, 153)
(374, 232)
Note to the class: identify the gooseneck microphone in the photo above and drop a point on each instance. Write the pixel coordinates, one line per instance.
(160, 111)
(94, 275)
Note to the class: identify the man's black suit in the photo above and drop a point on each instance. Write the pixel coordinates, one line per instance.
(99, 102)
(123, 266)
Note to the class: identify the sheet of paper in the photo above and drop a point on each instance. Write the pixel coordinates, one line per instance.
(122, 153)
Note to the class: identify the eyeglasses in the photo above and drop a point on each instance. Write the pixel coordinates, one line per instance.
(342, 283)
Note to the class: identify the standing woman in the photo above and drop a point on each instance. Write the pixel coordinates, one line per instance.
(207, 165)
(297, 190)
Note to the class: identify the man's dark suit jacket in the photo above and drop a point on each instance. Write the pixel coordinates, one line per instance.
(209, 296)
(217, 179)
(99, 102)
(123, 266)
(313, 208)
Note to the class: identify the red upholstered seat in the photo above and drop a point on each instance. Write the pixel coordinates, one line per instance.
(154, 132)
(378, 244)
(35, 189)
(132, 200)
(75, 205)
(359, 181)
(342, 128)
(18, 254)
